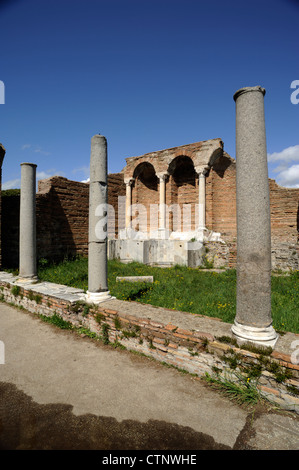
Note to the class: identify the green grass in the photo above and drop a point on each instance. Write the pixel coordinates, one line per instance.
(57, 321)
(181, 288)
(242, 389)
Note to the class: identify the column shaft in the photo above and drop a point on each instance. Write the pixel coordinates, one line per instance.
(27, 255)
(162, 202)
(98, 223)
(128, 203)
(201, 197)
(253, 316)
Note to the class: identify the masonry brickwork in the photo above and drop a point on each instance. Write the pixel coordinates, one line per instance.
(61, 218)
(62, 206)
(2, 154)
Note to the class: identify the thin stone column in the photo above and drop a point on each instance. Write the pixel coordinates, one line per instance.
(98, 223)
(202, 171)
(128, 183)
(27, 243)
(253, 321)
(163, 233)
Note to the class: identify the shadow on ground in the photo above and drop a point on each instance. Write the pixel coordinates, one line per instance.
(26, 425)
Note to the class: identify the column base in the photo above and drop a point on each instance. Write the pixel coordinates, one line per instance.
(97, 297)
(27, 279)
(262, 336)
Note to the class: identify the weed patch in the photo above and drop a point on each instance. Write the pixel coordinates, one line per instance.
(236, 387)
(57, 321)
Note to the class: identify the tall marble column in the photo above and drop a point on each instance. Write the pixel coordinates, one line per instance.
(201, 171)
(128, 183)
(27, 242)
(98, 223)
(253, 321)
(162, 232)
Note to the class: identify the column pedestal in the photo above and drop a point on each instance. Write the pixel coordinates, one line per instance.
(264, 336)
(97, 297)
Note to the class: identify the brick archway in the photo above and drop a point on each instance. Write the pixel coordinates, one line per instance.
(145, 191)
(182, 190)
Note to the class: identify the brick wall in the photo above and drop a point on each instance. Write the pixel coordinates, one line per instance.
(221, 199)
(184, 189)
(10, 221)
(2, 154)
(221, 215)
(284, 213)
(61, 222)
(62, 212)
(116, 192)
(61, 218)
(145, 191)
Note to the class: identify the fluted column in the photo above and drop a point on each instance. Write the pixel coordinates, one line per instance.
(253, 321)
(27, 255)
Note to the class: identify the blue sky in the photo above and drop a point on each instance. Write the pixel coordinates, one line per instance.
(146, 74)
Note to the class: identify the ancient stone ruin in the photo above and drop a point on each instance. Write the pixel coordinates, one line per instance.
(188, 205)
(173, 206)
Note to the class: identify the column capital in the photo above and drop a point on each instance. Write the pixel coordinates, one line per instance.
(33, 165)
(162, 176)
(129, 181)
(248, 90)
(202, 170)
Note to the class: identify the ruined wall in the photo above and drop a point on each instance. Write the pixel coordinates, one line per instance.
(2, 154)
(284, 226)
(62, 214)
(61, 218)
(221, 215)
(145, 192)
(10, 221)
(182, 188)
(62, 225)
(222, 211)
(284, 213)
(184, 191)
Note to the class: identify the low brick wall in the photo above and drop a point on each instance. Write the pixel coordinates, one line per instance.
(197, 344)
